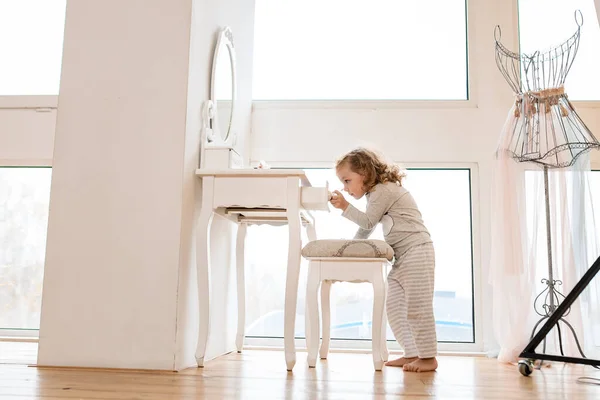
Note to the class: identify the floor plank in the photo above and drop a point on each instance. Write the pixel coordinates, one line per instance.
(262, 375)
(12, 352)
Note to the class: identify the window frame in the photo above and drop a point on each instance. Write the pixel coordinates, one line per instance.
(26, 163)
(41, 102)
(363, 345)
(469, 102)
(17, 334)
(586, 104)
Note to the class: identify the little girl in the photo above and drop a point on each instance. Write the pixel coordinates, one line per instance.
(410, 282)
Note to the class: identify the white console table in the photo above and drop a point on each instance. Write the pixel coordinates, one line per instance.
(245, 196)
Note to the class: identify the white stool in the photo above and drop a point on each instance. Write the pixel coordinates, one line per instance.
(333, 261)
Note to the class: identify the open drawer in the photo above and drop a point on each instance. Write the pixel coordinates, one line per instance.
(315, 198)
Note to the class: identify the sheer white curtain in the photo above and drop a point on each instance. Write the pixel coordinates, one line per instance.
(586, 245)
(519, 257)
(511, 273)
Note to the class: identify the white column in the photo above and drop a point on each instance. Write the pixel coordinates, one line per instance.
(119, 285)
(114, 234)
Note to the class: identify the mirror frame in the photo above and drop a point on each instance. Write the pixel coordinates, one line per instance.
(224, 43)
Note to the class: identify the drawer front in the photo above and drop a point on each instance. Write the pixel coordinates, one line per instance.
(315, 198)
(250, 192)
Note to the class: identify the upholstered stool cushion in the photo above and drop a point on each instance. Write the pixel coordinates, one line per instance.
(348, 248)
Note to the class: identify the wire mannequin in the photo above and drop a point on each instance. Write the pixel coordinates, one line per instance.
(547, 131)
(544, 128)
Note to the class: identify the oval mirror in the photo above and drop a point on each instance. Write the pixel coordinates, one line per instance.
(223, 85)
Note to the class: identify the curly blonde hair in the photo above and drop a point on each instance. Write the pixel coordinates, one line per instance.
(372, 167)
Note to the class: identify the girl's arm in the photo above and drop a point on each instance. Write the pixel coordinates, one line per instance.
(378, 204)
(363, 233)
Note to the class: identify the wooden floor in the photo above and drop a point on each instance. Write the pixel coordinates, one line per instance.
(262, 375)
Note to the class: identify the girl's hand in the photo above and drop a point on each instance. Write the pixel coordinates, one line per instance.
(338, 200)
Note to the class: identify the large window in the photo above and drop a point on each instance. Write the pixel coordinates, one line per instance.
(365, 50)
(444, 198)
(544, 24)
(31, 40)
(24, 200)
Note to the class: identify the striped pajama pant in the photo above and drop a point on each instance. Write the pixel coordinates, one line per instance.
(409, 303)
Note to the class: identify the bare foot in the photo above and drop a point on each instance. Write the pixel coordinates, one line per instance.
(401, 362)
(422, 365)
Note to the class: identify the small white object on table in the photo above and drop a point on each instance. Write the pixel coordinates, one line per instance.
(244, 196)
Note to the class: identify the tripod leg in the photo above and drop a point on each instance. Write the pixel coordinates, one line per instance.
(529, 350)
(560, 345)
(536, 325)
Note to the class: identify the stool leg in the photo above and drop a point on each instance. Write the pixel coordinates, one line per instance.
(311, 313)
(385, 354)
(326, 316)
(241, 287)
(377, 319)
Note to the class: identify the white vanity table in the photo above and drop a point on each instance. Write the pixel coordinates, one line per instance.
(246, 196)
(255, 196)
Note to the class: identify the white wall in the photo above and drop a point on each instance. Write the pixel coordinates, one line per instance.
(414, 133)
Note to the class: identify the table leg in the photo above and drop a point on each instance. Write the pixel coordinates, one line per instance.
(241, 286)
(313, 331)
(293, 271)
(203, 266)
